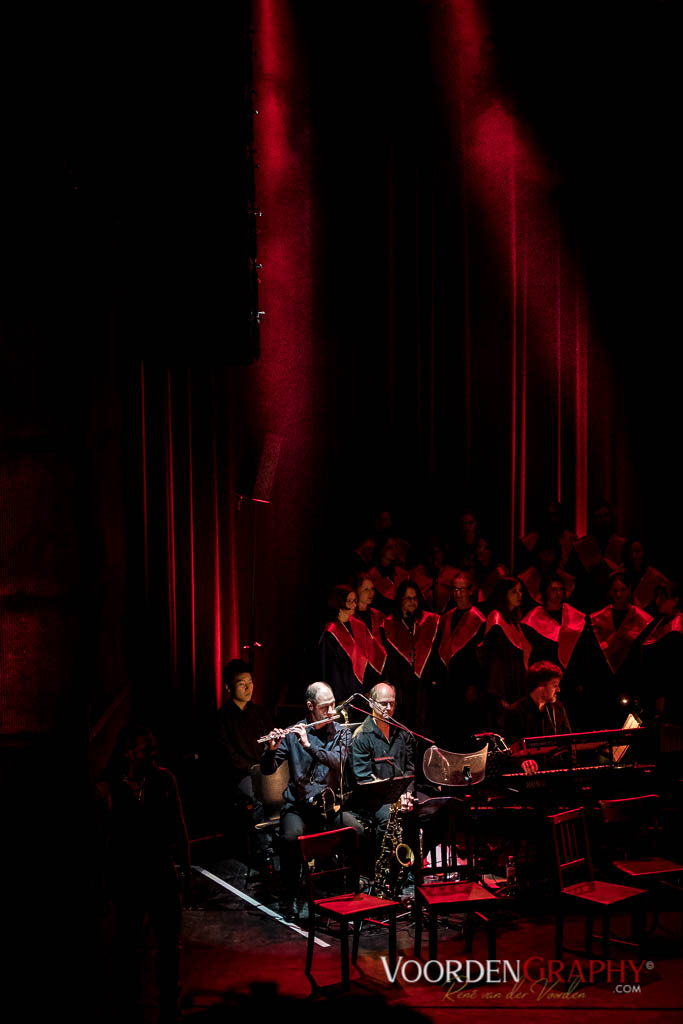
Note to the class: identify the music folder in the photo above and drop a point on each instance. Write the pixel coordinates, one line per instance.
(381, 791)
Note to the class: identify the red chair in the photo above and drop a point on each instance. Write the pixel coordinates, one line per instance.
(633, 834)
(341, 847)
(452, 897)
(588, 895)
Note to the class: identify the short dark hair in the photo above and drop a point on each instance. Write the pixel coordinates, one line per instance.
(551, 577)
(126, 740)
(540, 673)
(234, 668)
(337, 598)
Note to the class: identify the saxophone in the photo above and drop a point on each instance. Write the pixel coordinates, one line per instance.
(394, 858)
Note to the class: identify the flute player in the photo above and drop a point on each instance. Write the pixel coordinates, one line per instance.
(316, 759)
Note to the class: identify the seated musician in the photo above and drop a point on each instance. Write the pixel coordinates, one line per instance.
(540, 713)
(240, 723)
(316, 757)
(381, 750)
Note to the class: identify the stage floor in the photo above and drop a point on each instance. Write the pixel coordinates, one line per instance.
(239, 956)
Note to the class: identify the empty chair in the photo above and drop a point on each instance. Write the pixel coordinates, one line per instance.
(452, 897)
(633, 834)
(340, 848)
(585, 894)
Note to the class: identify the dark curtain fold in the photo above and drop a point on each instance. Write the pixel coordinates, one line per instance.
(189, 624)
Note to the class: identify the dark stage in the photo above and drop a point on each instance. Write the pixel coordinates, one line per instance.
(238, 959)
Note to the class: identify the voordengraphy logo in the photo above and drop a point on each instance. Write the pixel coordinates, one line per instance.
(542, 975)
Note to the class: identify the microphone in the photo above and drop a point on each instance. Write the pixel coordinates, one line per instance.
(345, 703)
(375, 705)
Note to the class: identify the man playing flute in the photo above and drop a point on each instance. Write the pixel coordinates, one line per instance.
(316, 757)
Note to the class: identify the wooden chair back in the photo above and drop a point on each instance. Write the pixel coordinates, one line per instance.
(572, 848)
(330, 856)
(631, 825)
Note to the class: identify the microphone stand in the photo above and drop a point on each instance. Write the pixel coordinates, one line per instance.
(389, 718)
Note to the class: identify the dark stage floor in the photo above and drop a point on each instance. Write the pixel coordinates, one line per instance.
(237, 958)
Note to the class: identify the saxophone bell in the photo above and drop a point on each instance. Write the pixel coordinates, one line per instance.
(404, 855)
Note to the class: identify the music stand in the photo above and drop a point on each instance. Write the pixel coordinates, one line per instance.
(371, 795)
(446, 768)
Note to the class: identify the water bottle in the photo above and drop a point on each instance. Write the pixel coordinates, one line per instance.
(511, 871)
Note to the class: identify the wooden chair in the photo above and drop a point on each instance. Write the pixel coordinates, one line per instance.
(586, 894)
(269, 790)
(450, 896)
(340, 847)
(633, 834)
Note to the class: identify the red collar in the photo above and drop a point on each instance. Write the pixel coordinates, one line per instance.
(355, 646)
(662, 629)
(385, 585)
(512, 632)
(374, 650)
(644, 592)
(564, 634)
(414, 647)
(466, 629)
(616, 644)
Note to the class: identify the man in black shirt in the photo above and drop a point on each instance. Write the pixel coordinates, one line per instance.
(539, 714)
(240, 724)
(380, 750)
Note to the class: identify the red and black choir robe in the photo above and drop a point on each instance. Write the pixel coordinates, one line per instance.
(643, 592)
(614, 664)
(376, 655)
(592, 568)
(504, 655)
(485, 583)
(409, 666)
(561, 639)
(662, 668)
(385, 587)
(343, 653)
(458, 706)
(424, 578)
(553, 639)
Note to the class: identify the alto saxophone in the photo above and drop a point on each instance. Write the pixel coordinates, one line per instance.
(395, 857)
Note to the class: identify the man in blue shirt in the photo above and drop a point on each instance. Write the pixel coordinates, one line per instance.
(316, 757)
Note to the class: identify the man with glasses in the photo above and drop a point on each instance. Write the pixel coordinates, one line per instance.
(382, 750)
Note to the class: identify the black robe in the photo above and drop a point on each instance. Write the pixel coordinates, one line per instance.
(410, 667)
(458, 708)
(504, 654)
(343, 659)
